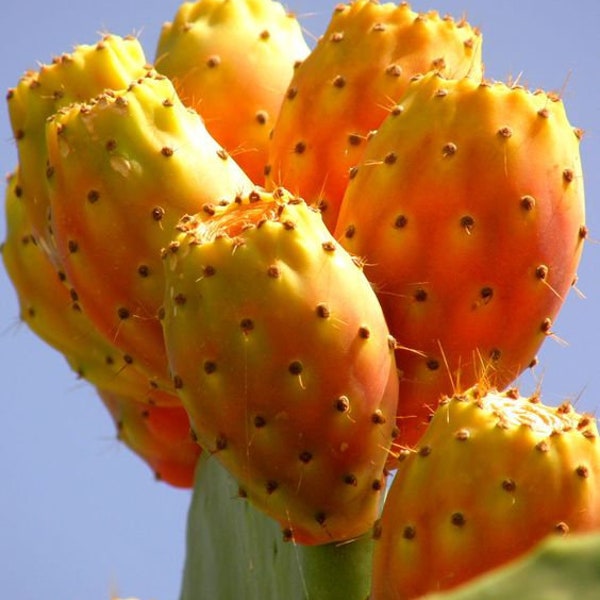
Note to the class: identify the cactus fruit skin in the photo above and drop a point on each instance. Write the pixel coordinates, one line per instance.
(53, 312)
(112, 63)
(471, 232)
(342, 92)
(123, 170)
(282, 358)
(241, 50)
(160, 435)
(494, 474)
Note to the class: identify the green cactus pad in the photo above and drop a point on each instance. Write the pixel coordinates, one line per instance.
(234, 551)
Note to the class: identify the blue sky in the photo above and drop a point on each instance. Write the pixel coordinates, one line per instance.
(80, 516)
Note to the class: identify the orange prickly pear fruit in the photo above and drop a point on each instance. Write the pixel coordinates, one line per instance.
(111, 63)
(471, 232)
(343, 91)
(282, 358)
(232, 61)
(160, 435)
(123, 169)
(493, 475)
(53, 312)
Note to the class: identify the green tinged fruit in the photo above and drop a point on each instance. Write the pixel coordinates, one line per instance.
(282, 358)
(471, 232)
(346, 87)
(494, 474)
(124, 168)
(53, 312)
(111, 63)
(232, 61)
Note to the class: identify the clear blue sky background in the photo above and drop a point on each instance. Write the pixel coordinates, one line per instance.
(80, 516)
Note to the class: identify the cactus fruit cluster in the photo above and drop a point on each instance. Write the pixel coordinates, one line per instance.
(321, 269)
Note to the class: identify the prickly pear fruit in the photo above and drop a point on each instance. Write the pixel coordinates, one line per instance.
(112, 63)
(282, 358)
(160, 435)
(123, 169)
(232, 60)
(494, 474)
(471, 231)
(359, 69)
(53, 312)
